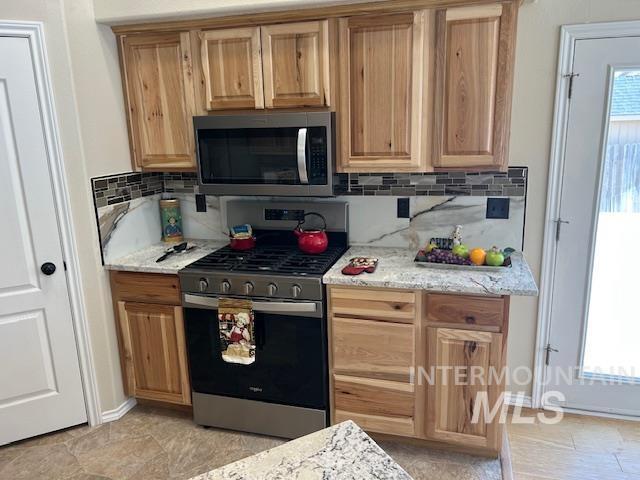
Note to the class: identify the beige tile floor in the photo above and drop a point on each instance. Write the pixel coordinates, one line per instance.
(158, 444)
(578, 448)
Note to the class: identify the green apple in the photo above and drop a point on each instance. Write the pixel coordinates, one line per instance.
(461, 250)
(495, 258)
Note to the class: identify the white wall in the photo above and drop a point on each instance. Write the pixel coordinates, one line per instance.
(123, 11)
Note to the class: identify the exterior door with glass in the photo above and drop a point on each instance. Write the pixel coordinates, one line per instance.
(593, 357)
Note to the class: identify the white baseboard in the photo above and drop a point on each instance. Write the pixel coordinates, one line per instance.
(118, 413)
(514, 399)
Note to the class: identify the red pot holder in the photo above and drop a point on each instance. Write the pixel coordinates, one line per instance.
(357, 265)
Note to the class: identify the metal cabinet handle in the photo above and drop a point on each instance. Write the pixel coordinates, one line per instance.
(302, 156)
(267, 307)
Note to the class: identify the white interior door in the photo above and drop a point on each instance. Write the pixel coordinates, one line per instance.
(595, 324)
(40, 384)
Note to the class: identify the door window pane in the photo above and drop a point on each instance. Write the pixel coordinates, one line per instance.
(613, 323)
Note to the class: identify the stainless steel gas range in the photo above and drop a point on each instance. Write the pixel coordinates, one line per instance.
(285, 391)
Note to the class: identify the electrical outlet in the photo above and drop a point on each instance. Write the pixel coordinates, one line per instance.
(201, 202)
(403, 208)
(497, 208)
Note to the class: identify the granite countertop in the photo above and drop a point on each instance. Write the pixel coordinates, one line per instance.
(144, 260)
(396, 269)
(342, 451)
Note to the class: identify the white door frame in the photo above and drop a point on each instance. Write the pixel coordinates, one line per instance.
(569, 34)
(34, 33)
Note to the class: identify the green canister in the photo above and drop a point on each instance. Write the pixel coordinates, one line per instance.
(171, 220)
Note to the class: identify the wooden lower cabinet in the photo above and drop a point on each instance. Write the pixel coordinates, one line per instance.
(152, 341)
(427, 375)
(462, 361)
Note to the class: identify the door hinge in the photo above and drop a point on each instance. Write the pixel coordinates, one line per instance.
(548, 349)
(570, 76)
(64, 264)
(559, 223)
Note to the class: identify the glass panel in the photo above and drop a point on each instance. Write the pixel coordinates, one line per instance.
(289, 366)
(261, 156)
(613, 324)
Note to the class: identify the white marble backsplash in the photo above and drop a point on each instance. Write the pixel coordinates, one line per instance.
(203, 225)
(130, 226)
(373, 222)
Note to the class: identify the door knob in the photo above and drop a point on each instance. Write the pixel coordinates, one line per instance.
(48, 268)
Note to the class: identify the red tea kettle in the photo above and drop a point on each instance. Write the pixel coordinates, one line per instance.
(312, 241)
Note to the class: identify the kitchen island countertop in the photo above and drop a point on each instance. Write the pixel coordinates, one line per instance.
(144, 260)
(396, 269)
(342, 451)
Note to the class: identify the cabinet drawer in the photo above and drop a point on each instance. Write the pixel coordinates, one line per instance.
(473, 312)
(372, 349)
(404, 427)
(391, 305)
(145, 287)
(373, 397)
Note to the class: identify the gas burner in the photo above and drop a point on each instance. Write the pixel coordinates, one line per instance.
(276, 259)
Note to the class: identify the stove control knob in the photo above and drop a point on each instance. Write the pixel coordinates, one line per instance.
(272, 289)
(295, 291)
(225, 286)
(248, 288)
(203, 284)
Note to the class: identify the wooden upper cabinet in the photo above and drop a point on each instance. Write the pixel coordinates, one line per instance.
(154, 352)
(385, 73)
(474, 76)
(232, 68)
(295, 62)
(159, 93)
(461, 360)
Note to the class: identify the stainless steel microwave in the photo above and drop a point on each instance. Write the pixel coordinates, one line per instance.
(280, 154)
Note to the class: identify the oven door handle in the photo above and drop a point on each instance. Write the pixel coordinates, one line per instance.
(266, 307)
(302, 156)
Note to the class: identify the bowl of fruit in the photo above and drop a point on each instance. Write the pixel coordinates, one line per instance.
(460, 257)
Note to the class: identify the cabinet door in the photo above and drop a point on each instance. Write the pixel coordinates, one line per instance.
(295, 62)
(157, 77)
(385, 92)
(474, 76)
(460, 363)
(232, 68)
(154, 352)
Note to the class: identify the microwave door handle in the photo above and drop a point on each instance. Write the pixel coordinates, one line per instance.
(302, 156)
(266, 307)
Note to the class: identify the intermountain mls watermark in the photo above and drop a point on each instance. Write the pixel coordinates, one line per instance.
(476, 378)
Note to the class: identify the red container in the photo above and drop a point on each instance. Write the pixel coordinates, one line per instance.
(242, 243)
(312, 241)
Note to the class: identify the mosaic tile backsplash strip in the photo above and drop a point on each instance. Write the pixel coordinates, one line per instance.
(124, 187)
(504, 184)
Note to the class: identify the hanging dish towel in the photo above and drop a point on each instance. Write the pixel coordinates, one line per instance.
(235, 321)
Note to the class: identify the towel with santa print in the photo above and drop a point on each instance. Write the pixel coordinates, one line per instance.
(237, 340)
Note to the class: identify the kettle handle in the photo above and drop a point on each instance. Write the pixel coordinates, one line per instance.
(304, 219)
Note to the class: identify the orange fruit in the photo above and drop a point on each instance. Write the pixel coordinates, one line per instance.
(477, 256)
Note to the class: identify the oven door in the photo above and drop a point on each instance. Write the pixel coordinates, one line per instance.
(277, 154)
(290, 366)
